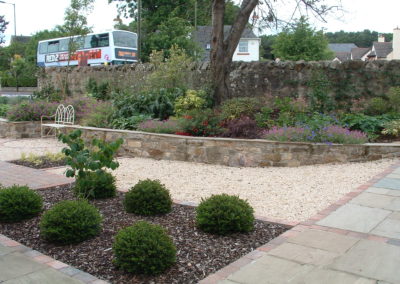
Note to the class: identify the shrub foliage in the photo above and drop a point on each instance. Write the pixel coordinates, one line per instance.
(98, 184)
(224, 214)
(148, 197)
(144, 249)
(18, 203)
(70, 221)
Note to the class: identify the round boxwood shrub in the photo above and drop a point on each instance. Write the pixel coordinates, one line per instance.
(148, 197)
(144, 249)
(19, 203)
(70, 221)
(224, 214)
(98, 184)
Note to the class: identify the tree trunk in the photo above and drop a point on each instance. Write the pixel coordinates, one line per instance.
(222, 49)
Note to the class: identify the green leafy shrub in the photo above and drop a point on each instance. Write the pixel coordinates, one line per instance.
(264, 117)
(224, 214)
(31, 110)
(148, 197)
(70, 221)
(101, 116)
(144, 249)
(4, 109)
(101, 91)
(192, 100)
(394, 99)
(377, 106)
(98, 184)
(392, 128)
(237, 107)
(131, 123)
(201, 123)
(48, 93)
(19, 203)
(89, 164)
(319, 95)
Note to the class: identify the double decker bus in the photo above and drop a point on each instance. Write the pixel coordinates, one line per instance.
(112, 47)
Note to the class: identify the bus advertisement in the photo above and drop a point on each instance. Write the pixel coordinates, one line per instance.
(113, 47)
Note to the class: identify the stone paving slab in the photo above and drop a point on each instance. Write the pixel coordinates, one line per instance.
(355, 218)
(389, 183)
(388, 228)
(16, 264)
(327, 241)
(371, 259)
(383, 191)
(11, 174)
(377, 201)
(45, 276)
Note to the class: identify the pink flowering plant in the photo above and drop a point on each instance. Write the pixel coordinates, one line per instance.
(329, 134)
(168, 126)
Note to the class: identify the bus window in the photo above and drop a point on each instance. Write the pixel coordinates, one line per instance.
(124, 39)
(53, 46)
(43, 47)
(64, 44)
(104, 40)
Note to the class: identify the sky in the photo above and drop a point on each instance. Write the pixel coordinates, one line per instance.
(36, 15)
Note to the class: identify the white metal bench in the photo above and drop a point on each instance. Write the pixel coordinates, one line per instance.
(63, 116)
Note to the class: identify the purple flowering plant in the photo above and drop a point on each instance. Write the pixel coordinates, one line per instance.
(168, 126)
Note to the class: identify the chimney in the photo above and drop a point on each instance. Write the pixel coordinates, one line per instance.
(381, 38)
(396, 43)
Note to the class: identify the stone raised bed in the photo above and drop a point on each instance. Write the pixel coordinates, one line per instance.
(19, 129)
(237, 152)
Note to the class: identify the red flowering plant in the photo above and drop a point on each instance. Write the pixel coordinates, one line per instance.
(200, 123)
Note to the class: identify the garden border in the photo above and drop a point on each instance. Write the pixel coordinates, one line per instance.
(236, 152)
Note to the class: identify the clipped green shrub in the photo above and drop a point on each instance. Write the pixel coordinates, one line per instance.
(70, 221)
(98, 184)
(144, 249)
(224, 214)
(18, 203)
(148, 197)
(394, 98)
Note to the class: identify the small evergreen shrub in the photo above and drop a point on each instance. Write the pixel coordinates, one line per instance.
(377, 106)
(98, 184)
(148, 197)
(224, 214)
(144, 249)
(70, 221)
(18, 203)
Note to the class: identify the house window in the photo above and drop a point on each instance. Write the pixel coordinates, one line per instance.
(243, 46)
(208, 46)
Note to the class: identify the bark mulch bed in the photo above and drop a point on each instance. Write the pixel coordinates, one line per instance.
(198, 254)
(44, 165)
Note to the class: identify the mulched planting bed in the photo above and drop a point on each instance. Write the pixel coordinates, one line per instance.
(198, 254)
(46, 164)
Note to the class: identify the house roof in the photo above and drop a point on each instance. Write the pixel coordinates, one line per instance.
(382, 49)
(343, 56)
(341, 47)
(358, 52)
(203, 37)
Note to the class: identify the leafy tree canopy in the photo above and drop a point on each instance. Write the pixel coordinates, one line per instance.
(363, 38)
(3, 27)
(301, 42)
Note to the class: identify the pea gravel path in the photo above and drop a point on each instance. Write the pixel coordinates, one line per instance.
(292, 194)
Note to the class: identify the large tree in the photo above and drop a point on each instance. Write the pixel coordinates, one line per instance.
(223, 46)
(301, 42)
(3, 27)
(363, 38)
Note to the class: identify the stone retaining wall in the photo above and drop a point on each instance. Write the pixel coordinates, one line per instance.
(237, 152)
(19, 129)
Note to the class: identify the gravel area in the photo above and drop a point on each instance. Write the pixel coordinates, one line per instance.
(11, 149)
(290, 194)
(198, 254)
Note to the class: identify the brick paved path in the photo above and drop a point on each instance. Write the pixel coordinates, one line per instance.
(356, 240)
(11, 174)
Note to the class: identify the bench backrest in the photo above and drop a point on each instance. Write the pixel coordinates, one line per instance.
(65, 115)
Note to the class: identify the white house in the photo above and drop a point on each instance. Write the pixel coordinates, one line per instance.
(248, 48)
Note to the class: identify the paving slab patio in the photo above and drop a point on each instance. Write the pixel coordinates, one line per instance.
(356, 240)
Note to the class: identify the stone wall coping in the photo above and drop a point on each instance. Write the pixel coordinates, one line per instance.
(233, 140)
(22, 122)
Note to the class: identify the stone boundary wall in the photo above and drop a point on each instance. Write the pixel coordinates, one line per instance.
(348, 80)
(236, 152)
(19, 129)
